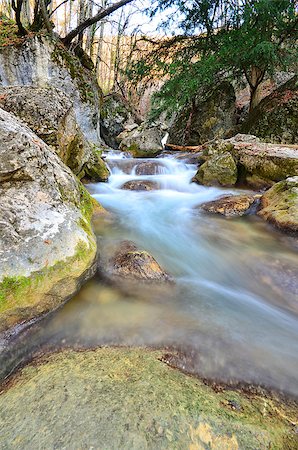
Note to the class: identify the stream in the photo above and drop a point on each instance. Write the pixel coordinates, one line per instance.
(232, 313)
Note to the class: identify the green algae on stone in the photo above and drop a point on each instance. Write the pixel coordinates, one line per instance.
(279, 205)
(129, 399)
(22, 298)
(219, 169)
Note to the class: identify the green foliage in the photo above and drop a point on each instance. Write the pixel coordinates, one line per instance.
(220, 39)
(8, 32)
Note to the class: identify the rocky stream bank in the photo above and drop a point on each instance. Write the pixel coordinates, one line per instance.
(181, 259)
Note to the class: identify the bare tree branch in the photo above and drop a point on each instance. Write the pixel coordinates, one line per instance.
(87, 23)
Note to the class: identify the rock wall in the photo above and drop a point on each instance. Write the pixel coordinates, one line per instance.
(39, 61)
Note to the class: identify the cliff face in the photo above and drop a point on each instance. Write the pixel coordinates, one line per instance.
(39, 61)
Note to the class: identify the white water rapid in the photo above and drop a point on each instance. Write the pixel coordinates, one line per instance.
(232, 312)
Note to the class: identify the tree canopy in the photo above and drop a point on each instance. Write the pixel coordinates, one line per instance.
(220, 39)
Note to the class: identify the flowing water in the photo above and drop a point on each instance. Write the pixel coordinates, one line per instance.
(233, 309)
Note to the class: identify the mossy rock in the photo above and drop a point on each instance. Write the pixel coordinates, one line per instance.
(130, 399)
(275, 119)
(218, 170)
(47, 244)
(279, 205)
(210, 115)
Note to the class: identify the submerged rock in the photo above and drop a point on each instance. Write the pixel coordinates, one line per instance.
(131, 263)
(279, 205)
(149, 168)
(219, 169)
(50, 114)
(47, 247)
(230, 205)
(140, 185)
(130, 399)
(211, 115)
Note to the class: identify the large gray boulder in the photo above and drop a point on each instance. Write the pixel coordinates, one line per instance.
(47, 247)
(275, 119)
(258, 164)
(50, 114)
(41, 61)
(116, 115)
(142, 142)
(211, 115)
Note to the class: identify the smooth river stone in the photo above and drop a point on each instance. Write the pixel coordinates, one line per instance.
(130, 399)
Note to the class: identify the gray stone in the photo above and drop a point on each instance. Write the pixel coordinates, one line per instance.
(41, 61)
(275, 119)
(131, 263)
(211, 115)
(50, 114)
(218, 170)
(279, 205)
(141, 142)
(46, 242)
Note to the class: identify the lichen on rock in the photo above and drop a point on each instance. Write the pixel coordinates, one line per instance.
(258, 164)
(279, 205)
(210, 115)
(50, 114)
(275, 119)
(231, 205)
(130, 399)
(46, 235)
(218, 170)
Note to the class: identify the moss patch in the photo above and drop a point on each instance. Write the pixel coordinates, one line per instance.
(21, 291)
(128, 398)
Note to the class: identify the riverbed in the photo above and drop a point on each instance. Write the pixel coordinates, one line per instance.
(232, 311)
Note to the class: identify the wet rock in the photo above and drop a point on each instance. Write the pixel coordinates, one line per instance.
(211, 115)
(47, 247)
(117, 115)
(149, 168)
(50, 114)
(140, 185)
(230, 205)
(141, 142)
(127, 398)
(218, 170)
(258, 164)
(279, 205)
(129, 262)
(275, 118)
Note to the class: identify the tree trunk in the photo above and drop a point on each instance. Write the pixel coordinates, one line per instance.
(45, 15)
(17, 7)
(255, 97)
(255, 79)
